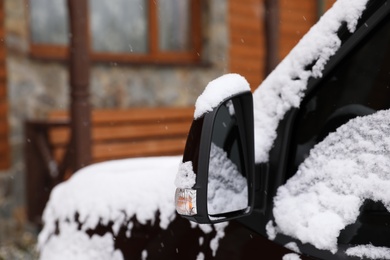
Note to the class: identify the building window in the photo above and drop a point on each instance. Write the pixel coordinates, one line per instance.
(139, 31)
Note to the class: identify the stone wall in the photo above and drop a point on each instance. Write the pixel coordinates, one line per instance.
(36, 87)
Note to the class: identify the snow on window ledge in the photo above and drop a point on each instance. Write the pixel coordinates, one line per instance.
(283, 88)
(369, 251)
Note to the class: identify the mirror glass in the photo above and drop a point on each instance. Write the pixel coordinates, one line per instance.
(227, 184)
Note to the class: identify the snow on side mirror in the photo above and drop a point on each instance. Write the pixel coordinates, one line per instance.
(216, 179)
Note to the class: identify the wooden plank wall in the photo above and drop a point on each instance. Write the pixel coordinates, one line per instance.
(246, 51)
(296, 18)
(4, 142)
(246, 28)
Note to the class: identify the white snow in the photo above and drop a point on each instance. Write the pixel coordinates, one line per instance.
(291, 256)
(348, 167)
(271, 230)
(227, 187)
(79, 246)
(218, 90)
(200, 256)
(185, 177)
(283, 88)
(144, 254)
(293, 247)
(369, 251)
(105, 192)
(214, 243)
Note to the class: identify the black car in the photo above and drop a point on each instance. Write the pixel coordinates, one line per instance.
(312, 186)
(296, 170)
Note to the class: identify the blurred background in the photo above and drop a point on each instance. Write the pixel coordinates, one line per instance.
(117, 55)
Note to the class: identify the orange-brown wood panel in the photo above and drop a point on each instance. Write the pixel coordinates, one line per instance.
(106, 116)
(246, 40)
(246, 51)
(241, 8)
(296, 19)
(3, 91)
(2, 77)
(138, 149)
(129, 132)
(60, 136)
(245, 65)
(110, 151)
(329, 3)
(249, 24)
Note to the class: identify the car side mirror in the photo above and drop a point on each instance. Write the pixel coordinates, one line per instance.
(219, 158)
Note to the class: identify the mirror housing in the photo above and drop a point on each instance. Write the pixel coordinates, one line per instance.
(218, 164)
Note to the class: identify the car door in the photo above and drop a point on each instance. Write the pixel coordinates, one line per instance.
(356, 82)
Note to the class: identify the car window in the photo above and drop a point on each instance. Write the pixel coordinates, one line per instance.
(357, 86)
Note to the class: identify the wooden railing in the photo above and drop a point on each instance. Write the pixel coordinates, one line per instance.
(116, 134)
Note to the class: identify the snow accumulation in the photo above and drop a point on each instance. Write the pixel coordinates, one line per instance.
(73, 244)
(283, 88)
(218, 90)
(227, 187)
(105, 192)
(291, 256)
(369, 251)
(293, 247)
(185, 177)
(348, 167)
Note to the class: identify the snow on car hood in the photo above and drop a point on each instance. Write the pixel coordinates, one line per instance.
(348, 167)
(111, 191)
(284, 87)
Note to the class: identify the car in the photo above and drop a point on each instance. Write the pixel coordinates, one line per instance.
(295, 170)
(315, 170)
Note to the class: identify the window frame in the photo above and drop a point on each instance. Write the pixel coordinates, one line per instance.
(153, 56)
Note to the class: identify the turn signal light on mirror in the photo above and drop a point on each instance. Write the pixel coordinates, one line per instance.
(185, 201)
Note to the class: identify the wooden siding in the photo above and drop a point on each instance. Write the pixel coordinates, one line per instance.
(246, 50)
(4, 142)
(296, 18)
